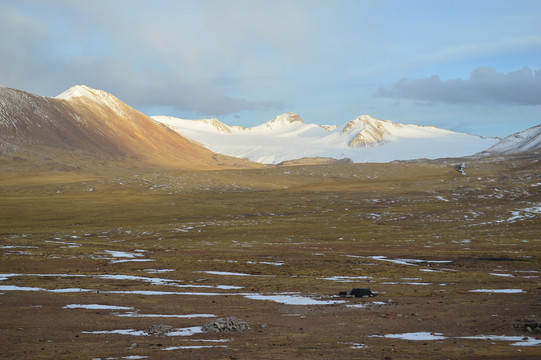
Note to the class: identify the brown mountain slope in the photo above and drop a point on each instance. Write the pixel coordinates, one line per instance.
(100, 126)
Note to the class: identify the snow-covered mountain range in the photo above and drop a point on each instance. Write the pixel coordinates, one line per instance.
(522, 141)
(363, 139)
(91, 124)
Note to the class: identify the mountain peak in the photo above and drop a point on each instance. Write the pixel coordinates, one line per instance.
(78, 91)
(367, 122)
(83, 93)
(284, 119)
(369, 131)
(95, 127)
(291, 117)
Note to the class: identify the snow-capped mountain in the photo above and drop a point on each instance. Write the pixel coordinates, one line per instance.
(363, 139)
(96, 123)
(522, 141)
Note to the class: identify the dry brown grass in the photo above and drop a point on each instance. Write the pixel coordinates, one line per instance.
(320, 221)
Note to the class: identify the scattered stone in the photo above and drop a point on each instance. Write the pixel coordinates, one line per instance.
(158, 329)
(529, 326)
(230, 323)
(461, 168)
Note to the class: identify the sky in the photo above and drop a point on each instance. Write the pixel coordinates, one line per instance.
(469, 66)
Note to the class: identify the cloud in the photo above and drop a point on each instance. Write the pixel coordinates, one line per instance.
(147, 87)
(20, 44)
(485, 85)
(143, 64)
(198, 97)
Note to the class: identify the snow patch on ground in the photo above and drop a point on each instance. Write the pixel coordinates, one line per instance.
(146, 280)
(158, 271)
(69, 244)
(189, 331)
(346, 278)
(415, 336)
(502, 275)
(528, 213)
(227, 273)
(292, 299)
(182, 316)
(409, 261)
(427, 336)
(405, 283)
(266, 263)
(96, 307)
(517, 340)
(29, 288)
(498, 291)
(123, 256)
(194, 347)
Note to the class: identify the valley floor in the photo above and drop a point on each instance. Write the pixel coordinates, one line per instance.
(90, 262)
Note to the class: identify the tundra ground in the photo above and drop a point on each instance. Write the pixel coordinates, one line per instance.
(91, 260)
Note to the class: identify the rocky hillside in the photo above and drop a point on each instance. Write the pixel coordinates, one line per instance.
(97, 124)
(523, 141)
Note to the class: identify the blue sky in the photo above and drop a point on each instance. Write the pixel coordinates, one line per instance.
(471, 66)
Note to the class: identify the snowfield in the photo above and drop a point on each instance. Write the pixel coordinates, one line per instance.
(364, 139)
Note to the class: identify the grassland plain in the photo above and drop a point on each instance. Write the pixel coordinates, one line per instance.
(92, 258)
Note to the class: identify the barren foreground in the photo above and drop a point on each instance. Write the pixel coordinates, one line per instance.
(91, 261)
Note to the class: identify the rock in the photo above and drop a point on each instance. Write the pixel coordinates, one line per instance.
(361, 292)
(529, 326)
(357, 292)
(230, 323)
(158, 329)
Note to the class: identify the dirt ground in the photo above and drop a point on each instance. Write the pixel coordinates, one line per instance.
(89, 261)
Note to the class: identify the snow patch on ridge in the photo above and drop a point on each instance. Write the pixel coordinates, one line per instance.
(78, 91)
(83, 91)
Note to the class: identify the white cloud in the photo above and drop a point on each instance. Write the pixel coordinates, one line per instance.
(130, 54)
(253, 58)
